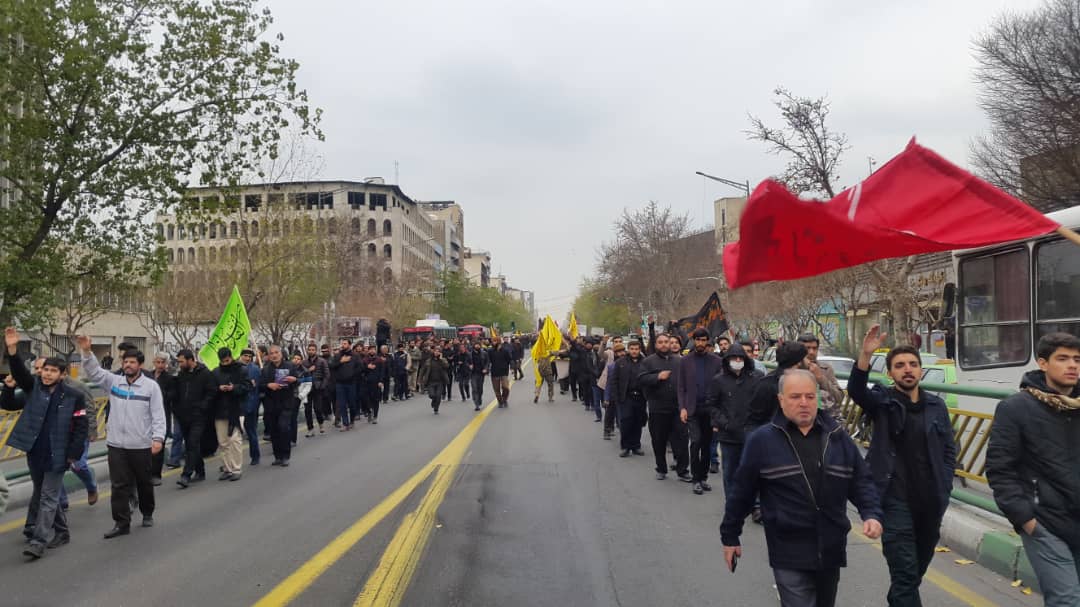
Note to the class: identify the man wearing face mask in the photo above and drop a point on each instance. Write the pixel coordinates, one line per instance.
(729, 397)
(657, 380)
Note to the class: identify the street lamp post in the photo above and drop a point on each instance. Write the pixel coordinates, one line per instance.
(744, 186)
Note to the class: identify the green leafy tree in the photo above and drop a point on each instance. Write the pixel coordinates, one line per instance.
(463, 303)
(107, 111)
(596, 307)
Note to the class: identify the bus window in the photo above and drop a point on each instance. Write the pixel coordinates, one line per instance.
(995, 313)
(1057, 290)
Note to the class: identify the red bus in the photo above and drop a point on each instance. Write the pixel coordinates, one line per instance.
(473, 332)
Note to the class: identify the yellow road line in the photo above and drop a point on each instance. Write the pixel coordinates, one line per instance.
(946, 583)
(305, 576)
(386, 586)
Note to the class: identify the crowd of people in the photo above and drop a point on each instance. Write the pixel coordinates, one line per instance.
(776, 438)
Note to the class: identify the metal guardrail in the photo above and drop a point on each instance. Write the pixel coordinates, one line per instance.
(7, 424)
(971, 429)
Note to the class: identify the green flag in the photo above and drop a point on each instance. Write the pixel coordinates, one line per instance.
(232, 331)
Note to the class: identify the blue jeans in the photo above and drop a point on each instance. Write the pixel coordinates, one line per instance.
(715, 456)
(346, 402)
(176, 452)
(1056, 565)
(730, 454)
(598, 402)
(251, 430)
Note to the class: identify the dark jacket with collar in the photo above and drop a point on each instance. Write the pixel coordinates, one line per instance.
(68, 428)
(480, 361)
(885, 407)
(625, 369)
(500, 361)
(803, 530)
(229, 405)
(196, 391)
(283, 398)
(321, 374)
(438, 371)
(345, 372)
(661, 395)
(730, 395)
(687, 381)
(1033, 460)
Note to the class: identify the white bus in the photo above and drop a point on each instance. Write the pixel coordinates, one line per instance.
(1010, 295)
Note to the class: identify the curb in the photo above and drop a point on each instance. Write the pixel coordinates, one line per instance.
(22, 490)
(989, 540)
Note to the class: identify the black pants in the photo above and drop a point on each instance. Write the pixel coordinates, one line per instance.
(371, 395)
(316, 402)
(435, 393)
(798, 588)
(193, 428)
(157, 462)
(401, 385)
(477, 382)
(585, 390)
(666, 426)
(699, 426)
(463, 387)
(908, 541)
(278, 419)
(129, 472)
(449, 390)
(386, 390)
(609, 418)
(631, 421)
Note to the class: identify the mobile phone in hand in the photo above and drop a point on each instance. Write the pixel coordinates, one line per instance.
(734, 562)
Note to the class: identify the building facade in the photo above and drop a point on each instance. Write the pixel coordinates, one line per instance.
(448, 225)
(477, 267)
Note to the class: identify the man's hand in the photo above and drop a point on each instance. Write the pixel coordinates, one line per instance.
(289, 379)
(813, 367)
(345, 358)
(11, 339)
(663, 375)
(683, 415)
(730, 552)
(82, 343)
(155, 448)
(715, 429)
(9, 381)
(1029, 527)
(871, 528)
(874, 340)
(380, 386)
(275, 387)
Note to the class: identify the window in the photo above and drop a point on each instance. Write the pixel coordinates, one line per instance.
(371, 249)
(252, 202)
(995, 311)
(254, 228)
(371, 227)
(388, 276)
(213, 230)
(202, 256)
(171, 255)
(326, 200)
(191, 255)
(170, 232)
(232, 229)
(356, 200)
(377, 200)
(182, 231)
(1057, 288)
(388, 251)
(387, 227)
(275, 200)
(180, 256)
(355, 224)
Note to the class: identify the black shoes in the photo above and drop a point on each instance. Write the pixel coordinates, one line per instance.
(34, 551)
(625, 453)
(706, 486)
(536, 399)
(147, 521)
(199, 477)
(117, 531)
(638, 452)
(698, 489)
(155, 481)
(607, 435)
(284, 463)
(755, 515)
(661, 476)
(277, 462)
(685, 477)
(225, 476)
(184, 481)
(714, 468)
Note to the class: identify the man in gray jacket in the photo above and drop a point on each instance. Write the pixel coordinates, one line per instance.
(135, 432)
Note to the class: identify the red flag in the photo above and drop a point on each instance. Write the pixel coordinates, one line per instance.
(916, 203)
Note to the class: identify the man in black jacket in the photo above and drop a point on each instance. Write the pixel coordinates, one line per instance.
(587, 372)
(345, 369)
(195, 391)
(729, 397)
(806, 469)
(319, 370)
(438, 378)
(479, 367)
(628, 397)
(1032, 465)
(167, 383)
(696, 371)
(912, 458)
(278, 379)
(233, 386)
(51, 430)
(501, 358)
(657, 380)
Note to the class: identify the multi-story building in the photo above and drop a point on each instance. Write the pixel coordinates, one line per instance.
(727, 211)
(381, 225)
(448, 225)
(477, 267)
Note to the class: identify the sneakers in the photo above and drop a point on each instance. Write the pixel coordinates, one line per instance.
(706, 486)
(698, 490)
(199, 477)
(625, 453)
(309, 434)
(284, 463)
(59, 540)
(322, 430)
(154, 480)
(714, 468)
(184, 481)
(685, 477)
(277, 462)
(756, 516)
(117, 531)
(226, 475)
(536, 399)
(638, 451)
(235, 477)
(91, 497)
(147, 521)
(661, 476)
(34, 551)
(254, 462)
(607, 435)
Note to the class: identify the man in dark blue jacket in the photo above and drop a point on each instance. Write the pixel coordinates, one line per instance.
(912, 457)
(51, 431)
(805, 468)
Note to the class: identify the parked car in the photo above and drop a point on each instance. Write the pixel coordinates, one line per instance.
(942, 374)
(839, 364)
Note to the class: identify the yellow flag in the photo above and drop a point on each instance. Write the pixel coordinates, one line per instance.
(548, 342)
(573, 326)
(494, 333)
(232, 331)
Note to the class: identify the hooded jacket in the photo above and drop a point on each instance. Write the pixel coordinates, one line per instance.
(730, 394)
(1033, 461)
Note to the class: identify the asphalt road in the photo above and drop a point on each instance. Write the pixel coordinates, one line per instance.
(523, 506)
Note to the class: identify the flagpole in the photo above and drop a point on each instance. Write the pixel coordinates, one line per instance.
(1068, 234)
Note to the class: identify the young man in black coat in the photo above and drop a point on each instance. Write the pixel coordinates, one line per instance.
(657, 380)
(729, 397)
(195, 394)
(1032, 465)
(912, 457)
(696, 371)
(233, 387)
(278, 379)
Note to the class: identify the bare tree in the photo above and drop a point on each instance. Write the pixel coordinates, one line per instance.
(812, 148)
(1029, 79)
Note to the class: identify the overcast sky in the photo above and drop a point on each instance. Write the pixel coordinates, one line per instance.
(545, 119)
